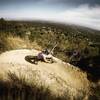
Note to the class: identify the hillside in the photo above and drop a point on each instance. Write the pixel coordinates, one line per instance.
(71, 77)
(62, 79)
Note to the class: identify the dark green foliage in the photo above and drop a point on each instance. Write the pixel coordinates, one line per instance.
(67, 37)
(46, 34)
(2, 42)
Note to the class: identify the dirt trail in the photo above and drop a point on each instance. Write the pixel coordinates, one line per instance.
(57, 75)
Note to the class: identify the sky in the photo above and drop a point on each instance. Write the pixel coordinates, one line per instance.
(80, 12)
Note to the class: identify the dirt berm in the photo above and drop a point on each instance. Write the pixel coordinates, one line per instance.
(60, 77)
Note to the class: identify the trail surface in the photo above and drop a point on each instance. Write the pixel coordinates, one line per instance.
(58, 76)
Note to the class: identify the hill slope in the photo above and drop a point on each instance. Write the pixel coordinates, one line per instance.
(60, 78)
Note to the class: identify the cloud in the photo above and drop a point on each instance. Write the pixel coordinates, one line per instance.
(64, 2)
(72, 2)
(83, 15)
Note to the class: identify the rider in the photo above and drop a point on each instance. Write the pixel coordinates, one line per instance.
(75, 57)
(46, 51)
(41, 55)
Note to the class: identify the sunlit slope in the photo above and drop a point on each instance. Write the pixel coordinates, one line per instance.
(61, 78)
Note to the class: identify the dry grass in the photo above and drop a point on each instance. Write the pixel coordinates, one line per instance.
(18, 89)
(61, 80)
(20, 43)
(27, 85)
(14, 42)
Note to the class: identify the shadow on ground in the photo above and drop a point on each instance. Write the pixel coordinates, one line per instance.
(30, 59)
